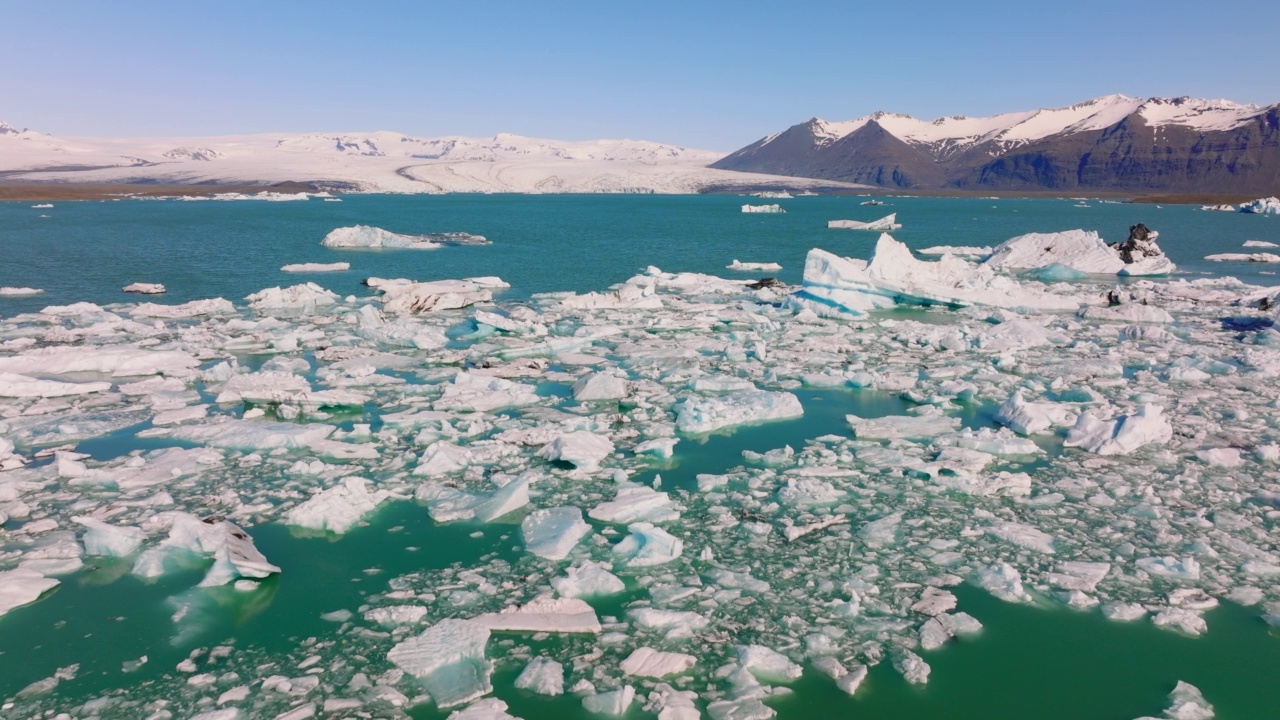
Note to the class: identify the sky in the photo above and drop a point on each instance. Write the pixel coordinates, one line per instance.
(710, 75)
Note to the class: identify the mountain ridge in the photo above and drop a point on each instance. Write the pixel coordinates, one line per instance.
(1178, 144)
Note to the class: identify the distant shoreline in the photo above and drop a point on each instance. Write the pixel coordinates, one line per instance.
(54, 191)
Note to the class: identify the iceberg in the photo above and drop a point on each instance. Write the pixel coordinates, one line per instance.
(104, 539)
(648, 662)
(1244, 257)
(481, 393)
(648, 545)
(306, 297)
(762, 209)
(588, 580)
(888, 223)
(232, 550)
(145, 288)
(448, 658)
(22, 587)
(1262, 206)
(635, 503)
(13, 385)
(365, 236)
(600, 386)
(753, 266)
(1027, 418)
(582, 449)
(1122, 435)
(543, 676)
(1080, 250)
(9, 291)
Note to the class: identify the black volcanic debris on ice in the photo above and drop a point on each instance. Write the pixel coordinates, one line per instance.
(1130, 154)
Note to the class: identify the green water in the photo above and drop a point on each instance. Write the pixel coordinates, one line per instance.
(1028, 662)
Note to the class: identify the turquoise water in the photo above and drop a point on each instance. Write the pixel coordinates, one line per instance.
(1028, 662)
(87, 251)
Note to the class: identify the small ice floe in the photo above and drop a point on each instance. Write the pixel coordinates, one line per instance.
(1218, 208)
(144, 288)
(636, 503)
(1260, 244)
(13, 385)
(107, 361)
(42, 206)
(449, 660)
(698, 415)
(600, 386)
(888, 223)
(553, 615)
(762, 209)
(582, 449)
(552, 533)
(316, 267)
(614, 703)
(753, 266)
(305, 297)
(403, 297)
(1244, 257)
(587, 580)
(19, 291)
(647, 545)
(543, 676)
(648, 662)
(364, 236)
(1084, 251)
(232, 550)
(22, 587)
(338, 508)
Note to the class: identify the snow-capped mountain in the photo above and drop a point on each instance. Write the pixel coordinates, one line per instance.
(377, 162)
(1111, 142)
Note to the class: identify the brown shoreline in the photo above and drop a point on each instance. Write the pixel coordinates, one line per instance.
(54, 191)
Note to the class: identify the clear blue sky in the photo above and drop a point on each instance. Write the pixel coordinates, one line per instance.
(714, 75)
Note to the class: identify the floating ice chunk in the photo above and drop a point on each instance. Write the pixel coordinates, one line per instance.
(1260, 243)
(145, 288)
(13, 385)
(1128, 313)
(881, 532)
(1188, 622)
(104, 539)
(809, 492)
(1083, 576)
(110, 360)
(396, 615)
(1122, 435)
(1002, 581)
(552, 533)
(298, 297)
(195, 308)
(559, 615)
(1080, 250)
(338, 508)
(316, 267)
(614, 703)
(1023, 536)
(1123, 612)
(648, 545)
(19, 291)
(898, 427)
(1185, 569)
(54, 553)
(479, 393)
(888, 223)
(672, 704)
(763, 209)
(1027, 418)
(994, 442)
(600, 386)
(912, 667)
(1262, 206)
(364, 236)
(648, 662)
(767, 664)
(232, 550)
(588, 580)
(934, 601)
(660, 447)
(635, 503)
(1187, 703)
(21, 587)
(483, 709)
(584, 450)
(411, 298)
(1221, 457)
(697, 415)
(543, 676)
(254, 435)
(753, 266)
(449, 660)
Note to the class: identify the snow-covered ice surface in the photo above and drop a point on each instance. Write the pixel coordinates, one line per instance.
(1049, 443)
(1080, 250)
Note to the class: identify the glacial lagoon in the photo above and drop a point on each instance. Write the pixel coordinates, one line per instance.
(938, 548)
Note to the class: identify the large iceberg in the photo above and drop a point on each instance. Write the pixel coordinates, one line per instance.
(894, 276)
(448, 658)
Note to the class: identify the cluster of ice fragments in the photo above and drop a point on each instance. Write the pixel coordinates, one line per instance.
(1120, 453)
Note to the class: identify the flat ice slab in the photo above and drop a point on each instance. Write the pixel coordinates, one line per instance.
(697, 415)
(449, 660)
(552, 533)
(556, 615)
(21, 587)
(364, 236)
(316, 267)
(888, 223)
(338, 508)
(648, 662)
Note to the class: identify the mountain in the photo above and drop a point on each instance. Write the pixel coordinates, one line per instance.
(380, 162)
(1114, 143)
